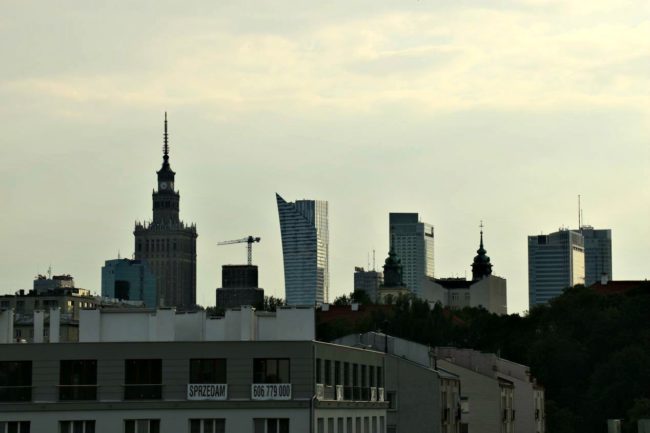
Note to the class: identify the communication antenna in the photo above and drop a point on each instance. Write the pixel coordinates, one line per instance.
(368, 259)
(579, 214)
(374, 268)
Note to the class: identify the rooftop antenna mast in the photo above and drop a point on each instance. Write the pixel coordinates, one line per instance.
(49, 273)
(579, 214)
(374, 267)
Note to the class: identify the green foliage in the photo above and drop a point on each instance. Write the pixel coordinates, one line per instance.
(590, 351)
(271, 303)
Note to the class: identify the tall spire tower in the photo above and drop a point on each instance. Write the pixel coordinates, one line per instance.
(166, 243)
(481, 267)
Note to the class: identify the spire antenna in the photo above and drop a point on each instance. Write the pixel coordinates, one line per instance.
(481, 226)
(166, 140)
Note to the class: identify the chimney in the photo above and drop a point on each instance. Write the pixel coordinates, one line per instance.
(55, 324)
(38, 326)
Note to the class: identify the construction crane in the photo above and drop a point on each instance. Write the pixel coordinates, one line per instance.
(249, 240)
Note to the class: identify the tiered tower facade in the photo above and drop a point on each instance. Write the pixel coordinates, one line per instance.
(167, 244)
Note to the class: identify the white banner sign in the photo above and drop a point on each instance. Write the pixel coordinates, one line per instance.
(271, 391)
(207, 391)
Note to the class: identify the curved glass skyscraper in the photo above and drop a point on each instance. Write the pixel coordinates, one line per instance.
(305, 250)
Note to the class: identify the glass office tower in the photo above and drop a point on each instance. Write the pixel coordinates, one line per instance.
(305, 250)
(555, 262)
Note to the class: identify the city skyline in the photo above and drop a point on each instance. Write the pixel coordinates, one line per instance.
(457, 111)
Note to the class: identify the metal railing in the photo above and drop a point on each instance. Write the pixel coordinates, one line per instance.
(15, 393)
(149, 391)
(77, 392)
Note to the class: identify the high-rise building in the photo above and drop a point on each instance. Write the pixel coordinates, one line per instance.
(305, 250)
(167, 244)
(368, 281)
(598, 253)
(412, 241)
(129, 280)
(555, 262)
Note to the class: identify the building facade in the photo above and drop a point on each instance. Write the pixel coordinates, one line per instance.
(422, 397)
(413, 242)
(498, 395)
(184, 373)
(555, 261)
(167, 244)
(598, 254)
(305, 250)
(129, 280)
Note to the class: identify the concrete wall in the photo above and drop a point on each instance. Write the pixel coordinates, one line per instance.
(490, 293)
(418, 396)
(484, 398)
(242, 324)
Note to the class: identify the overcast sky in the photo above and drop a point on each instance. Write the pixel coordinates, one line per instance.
(501, 111)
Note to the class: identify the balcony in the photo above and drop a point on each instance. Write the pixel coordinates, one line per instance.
(15, 393)
(77, 392)
(143, 392)
(349, 393)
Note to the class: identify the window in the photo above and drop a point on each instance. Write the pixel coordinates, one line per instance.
(82, 426)
(78, 379)
(142, 380)
(15, 381)
(319, 374)
(208, 370)
(339, 425)
(208, 425)
(337, 373)
(391, 396)
(320, 425)
(14, 426)
(271, 370)
(366, 424)
(348, 422)
(141, 426)
(271, 425)
(380, 378)
(328, 372)
(372, 375)
(330, 425)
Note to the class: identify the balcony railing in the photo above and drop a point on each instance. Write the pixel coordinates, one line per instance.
(77, 392)
(15, 393)
(339, 392)
(151, 391)
(320, 391)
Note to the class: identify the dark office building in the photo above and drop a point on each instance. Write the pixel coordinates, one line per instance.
(239, 287)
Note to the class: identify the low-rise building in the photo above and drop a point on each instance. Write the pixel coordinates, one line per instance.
(421, 396)
(156, 371)
(55, 293)
(499, 396)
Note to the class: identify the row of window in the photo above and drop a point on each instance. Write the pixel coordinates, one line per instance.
(366, 424)
(214, 425)
(142, 377)
(333, 373)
